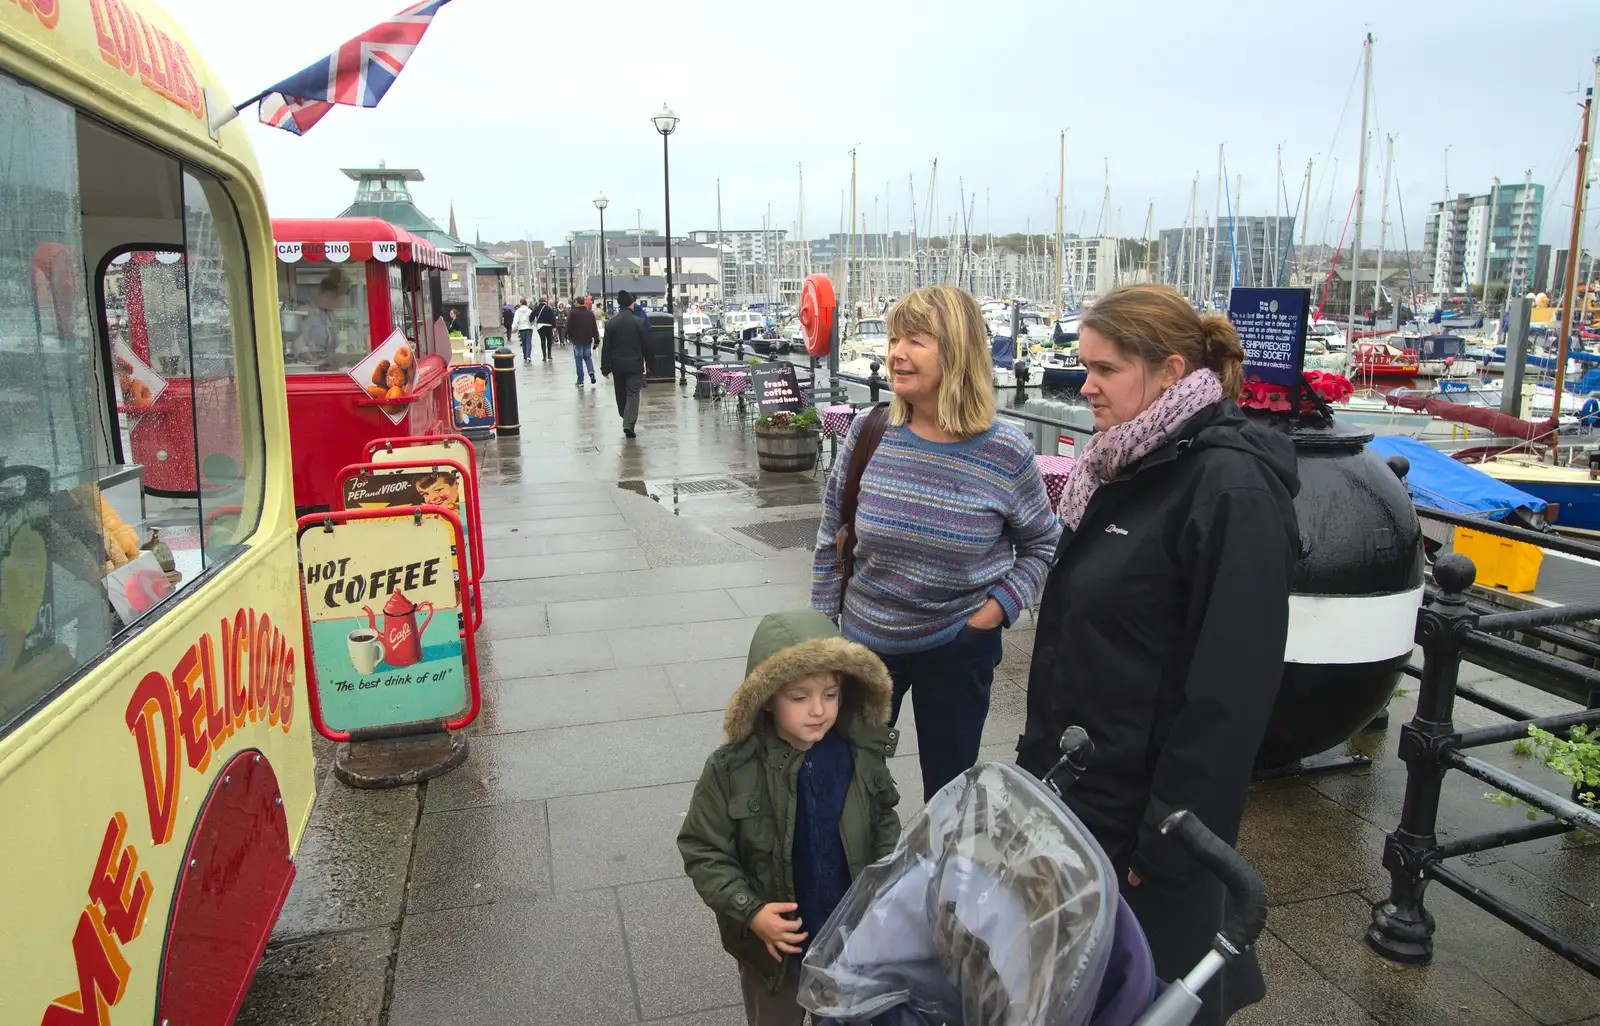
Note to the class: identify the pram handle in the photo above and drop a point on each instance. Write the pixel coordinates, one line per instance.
(1247, 897)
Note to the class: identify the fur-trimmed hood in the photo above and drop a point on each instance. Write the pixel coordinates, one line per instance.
(788, 646)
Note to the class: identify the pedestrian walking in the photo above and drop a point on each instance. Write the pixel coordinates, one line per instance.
(796, 803)
(1164, 619)
(544, 318)
(622, 360)
(936, 530)
(584, 333)
(507, 314)
(522, 325)
(562, 312)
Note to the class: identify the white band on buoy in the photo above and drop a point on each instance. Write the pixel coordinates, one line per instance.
(1344, 630)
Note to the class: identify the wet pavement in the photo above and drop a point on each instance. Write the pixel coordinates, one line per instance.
(539, 883)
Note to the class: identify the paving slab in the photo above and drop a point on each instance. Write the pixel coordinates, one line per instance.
(772, 598)
(513, 568)
(327, 980)
(617, 837)
(643, 611)
(528, 540)
(1541, 983)
(570, 699)
(542, 657)
(479, 856)
(786, 569)
(1297, 993)
(555, 961)
(547, 528)
(579, 760)
(1283, 827)
(531, 620)
(707, 684)
(1446, 992)
(350, 871)
(678, 961)
(691, 642)
(497, 594)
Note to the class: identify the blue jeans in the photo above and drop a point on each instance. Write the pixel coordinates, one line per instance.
(952, 684)
(526, 334)
(582, 355)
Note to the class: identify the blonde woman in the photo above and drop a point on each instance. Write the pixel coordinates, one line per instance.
(952, 531)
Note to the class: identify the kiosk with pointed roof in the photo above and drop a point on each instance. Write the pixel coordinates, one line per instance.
(476, 283)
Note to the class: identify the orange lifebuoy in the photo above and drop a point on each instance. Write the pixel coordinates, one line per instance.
(817, 306)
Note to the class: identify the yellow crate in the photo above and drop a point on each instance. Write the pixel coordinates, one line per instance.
(1501, 562)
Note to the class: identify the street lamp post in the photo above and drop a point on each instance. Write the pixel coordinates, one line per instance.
(600, 202)
(666, 122)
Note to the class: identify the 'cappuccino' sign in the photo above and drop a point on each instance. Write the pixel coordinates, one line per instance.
(385, 627)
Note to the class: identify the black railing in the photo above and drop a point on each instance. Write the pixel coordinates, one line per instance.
(1449, 627)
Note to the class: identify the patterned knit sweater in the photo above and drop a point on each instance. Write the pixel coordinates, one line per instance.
(941, 527)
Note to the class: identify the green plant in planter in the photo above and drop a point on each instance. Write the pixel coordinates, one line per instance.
(806, 418)
(1576, 757)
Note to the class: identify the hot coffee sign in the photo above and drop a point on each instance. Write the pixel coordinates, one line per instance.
(385, 629)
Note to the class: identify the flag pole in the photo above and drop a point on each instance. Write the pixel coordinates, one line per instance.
(217, 118)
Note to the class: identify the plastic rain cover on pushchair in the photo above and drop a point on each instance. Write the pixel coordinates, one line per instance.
(995, 909)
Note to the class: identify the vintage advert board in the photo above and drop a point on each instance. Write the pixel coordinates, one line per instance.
(388, 372)
(384, 620)
(441, 483)
(472, 398)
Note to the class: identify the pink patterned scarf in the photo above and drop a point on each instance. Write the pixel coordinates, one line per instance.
(1113, 450)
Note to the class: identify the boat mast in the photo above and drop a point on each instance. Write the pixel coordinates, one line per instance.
(1277, 220)
(1361, 193)
(1305, 222)
(850, 269)
(1149, 249)
(722, 257)
(1061, 239)
(1383, 235)
(916, 257)
(1574, 253)
(1216, 205)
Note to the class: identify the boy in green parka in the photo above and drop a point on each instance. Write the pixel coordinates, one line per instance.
(795, 804)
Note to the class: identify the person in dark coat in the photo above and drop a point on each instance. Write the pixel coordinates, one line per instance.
(1163, 623)
(544, 319)
(622, 355)
(584, 333)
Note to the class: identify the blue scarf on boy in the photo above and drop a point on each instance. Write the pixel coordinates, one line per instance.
(821, 872)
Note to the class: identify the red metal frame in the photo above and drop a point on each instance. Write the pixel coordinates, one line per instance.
(405, 441)
(319, 520)
(473, 523)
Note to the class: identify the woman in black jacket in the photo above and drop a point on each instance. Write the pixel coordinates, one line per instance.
(1163, 622)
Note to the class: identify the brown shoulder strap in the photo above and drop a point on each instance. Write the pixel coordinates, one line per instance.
(860, 456)
(844, 539)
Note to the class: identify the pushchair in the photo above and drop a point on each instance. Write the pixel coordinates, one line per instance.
(999, 908)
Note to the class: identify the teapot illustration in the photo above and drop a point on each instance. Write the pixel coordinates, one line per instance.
(402, 638)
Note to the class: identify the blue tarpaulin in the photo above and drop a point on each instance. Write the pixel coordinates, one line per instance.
(1004, 351)
(1438, 481)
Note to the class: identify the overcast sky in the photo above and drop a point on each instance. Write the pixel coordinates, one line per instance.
(519, 113)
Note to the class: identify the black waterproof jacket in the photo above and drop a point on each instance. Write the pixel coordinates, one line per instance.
(1162, 632)
(622, 349)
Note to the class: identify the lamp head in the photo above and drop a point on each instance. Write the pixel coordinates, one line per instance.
(600, 202)
(665, 120)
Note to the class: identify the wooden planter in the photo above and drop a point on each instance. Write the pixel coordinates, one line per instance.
(791, 450)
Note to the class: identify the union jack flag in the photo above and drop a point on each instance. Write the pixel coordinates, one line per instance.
(356, 75)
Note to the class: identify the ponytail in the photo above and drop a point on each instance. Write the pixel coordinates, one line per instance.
(1224, 356)
(1153, 322)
